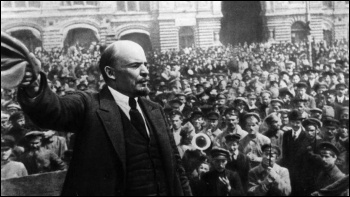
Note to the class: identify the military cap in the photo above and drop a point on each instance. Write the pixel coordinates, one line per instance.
(231, 111)
(251, 95)
(284, 111)
(240, 100)
(232, 137)
(271, 147)
(340, 86)
(296, 115)
(220, 96)
(213, 115)
(266, 92)
(285, 91)
(318, 110)
(175, 103)
(192, 97)
(219, 153)
(254, 109)
(13, 106)
(33, 134)
(301, 84)
(7, 142)
(180, 94)
(276, 101)
(344, 110)
(312, 121)
(328, 146)
(199, 85)
(320, 85)
(175, 112)
(330, 92)
(331, 123)
(252, 114)
(82, 85)
(196, 114)
(284, 73)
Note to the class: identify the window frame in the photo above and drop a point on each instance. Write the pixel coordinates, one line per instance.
(138, 11)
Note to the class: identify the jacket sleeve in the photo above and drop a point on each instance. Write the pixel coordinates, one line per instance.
(236, 186)
(50, 111)
(180, 170)
(56, 162)
(282, 186)
(255, 188)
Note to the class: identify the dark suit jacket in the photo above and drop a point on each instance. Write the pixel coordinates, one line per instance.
(98, 165)
(345, 102)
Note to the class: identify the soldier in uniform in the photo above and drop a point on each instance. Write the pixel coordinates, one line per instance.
(220, 181)
(38, 159)
(269, 179)
(330, 173)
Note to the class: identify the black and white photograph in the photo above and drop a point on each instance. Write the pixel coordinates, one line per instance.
(174, 98)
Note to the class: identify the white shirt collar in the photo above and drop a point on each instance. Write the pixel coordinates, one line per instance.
(297, 133)
(119, 97)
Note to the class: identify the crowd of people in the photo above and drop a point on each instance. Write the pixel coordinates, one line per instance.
(273, 122)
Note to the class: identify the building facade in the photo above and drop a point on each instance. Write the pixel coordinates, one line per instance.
(163, 25)
(154, 24)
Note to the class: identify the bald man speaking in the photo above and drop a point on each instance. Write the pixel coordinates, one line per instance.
(123, 145)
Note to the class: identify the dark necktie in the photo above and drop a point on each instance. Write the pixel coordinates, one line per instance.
(136, 118)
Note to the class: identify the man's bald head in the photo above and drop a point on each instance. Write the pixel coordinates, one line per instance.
(119, 53)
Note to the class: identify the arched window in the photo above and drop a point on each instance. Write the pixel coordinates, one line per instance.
(299, 32)
(186, 37)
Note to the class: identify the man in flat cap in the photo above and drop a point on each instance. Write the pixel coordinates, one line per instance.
(232, 127)
(38, 159)
(341, 91)
(9, 168)
(212, 129)
(330, 173)
(220, 181)
(269, 179)
(250, 145)
(237, 162)
(265, 99)
(301, 93)
(316, 113)
(295, 143)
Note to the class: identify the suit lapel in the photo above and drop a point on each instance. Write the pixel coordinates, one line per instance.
(156, 118)
(110, 116)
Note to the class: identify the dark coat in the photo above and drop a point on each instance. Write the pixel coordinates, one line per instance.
(345, 102)
(293, 154)
(98, 165)
(213, 186)
(242, 166)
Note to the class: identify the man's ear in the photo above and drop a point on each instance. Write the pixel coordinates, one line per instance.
(109, 72)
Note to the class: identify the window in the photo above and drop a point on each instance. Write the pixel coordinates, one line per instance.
(121, 5)
(79, 3)
(327, 4)
(144, 6)
(20, 4)
(133, 6)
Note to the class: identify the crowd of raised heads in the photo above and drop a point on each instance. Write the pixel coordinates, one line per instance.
(240, 110)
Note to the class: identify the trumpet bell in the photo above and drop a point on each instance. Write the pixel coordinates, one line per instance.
(201, 141)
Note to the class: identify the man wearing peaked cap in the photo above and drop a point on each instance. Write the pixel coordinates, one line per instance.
(275, 105)
(13, 108)
(301, 93)
(212, 129)
(330, 173)
(341, 91)
(269, 179)
(312, 127)
(221, 181)
(221, 99)
(238, 162)
(9, 168)
(175, 104)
